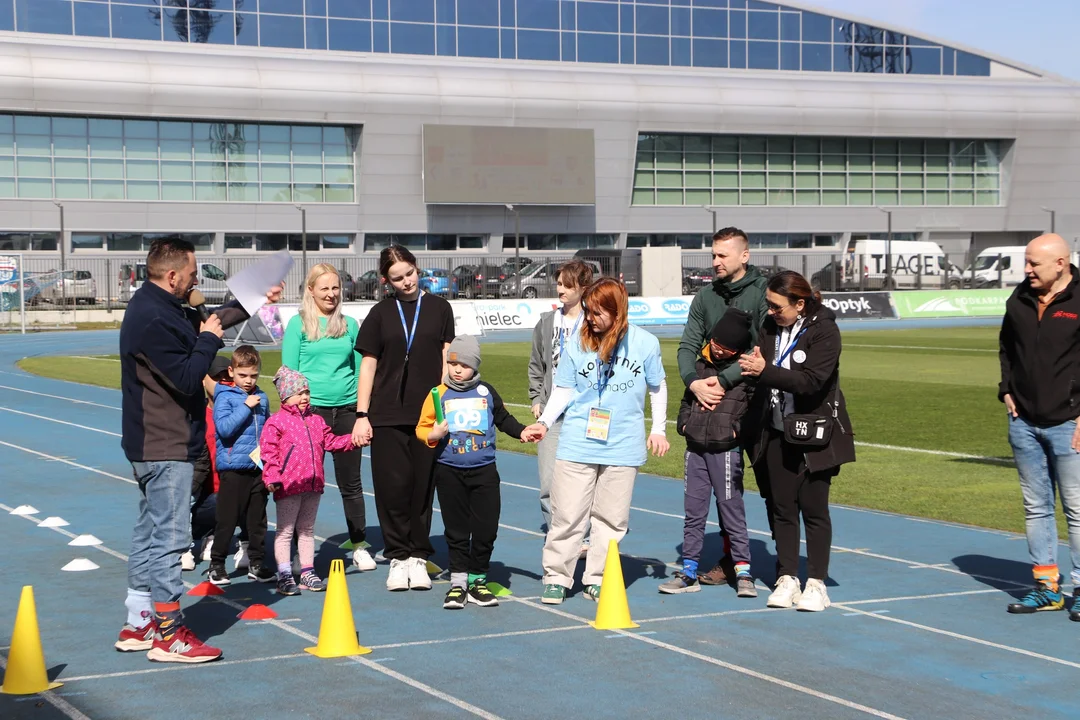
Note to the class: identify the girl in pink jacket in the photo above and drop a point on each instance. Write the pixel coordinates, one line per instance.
(291, 449)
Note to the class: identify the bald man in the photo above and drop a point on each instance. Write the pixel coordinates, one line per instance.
(1040, 386)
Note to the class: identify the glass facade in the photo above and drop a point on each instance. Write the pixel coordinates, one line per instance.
(133, 242)
(740, 34)
(272, 242)
(65, 157)
(779, 170)
(27, 241)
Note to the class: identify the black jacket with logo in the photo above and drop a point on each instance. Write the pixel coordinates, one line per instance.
(1040, 360)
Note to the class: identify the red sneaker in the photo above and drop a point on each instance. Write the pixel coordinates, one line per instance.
(133, 639)
(184, 647)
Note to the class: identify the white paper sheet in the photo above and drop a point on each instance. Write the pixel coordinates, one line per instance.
(251, 284)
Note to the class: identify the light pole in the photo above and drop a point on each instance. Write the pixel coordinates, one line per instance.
(303, 242)
(63, 257)
(888, 249)
(712, 211)
(517, 247)
(1053, 218)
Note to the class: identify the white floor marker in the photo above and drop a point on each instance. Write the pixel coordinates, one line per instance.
(25, 510)
(79, 565)
(84, 541)
(54, 521)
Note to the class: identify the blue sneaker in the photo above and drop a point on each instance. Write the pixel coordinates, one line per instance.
(1074, 614)
(1039, 599)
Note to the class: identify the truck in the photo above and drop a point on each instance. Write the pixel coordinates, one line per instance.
(913, 264)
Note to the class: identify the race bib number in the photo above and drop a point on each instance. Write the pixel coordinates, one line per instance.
(467, 415)
(598, 425)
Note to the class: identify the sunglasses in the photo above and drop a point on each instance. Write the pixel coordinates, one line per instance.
(774, 307)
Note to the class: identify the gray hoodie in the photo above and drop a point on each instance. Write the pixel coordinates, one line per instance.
(540, 360)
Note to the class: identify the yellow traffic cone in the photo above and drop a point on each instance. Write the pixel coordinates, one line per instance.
(26, 662)
(337, 633)
(613, 611)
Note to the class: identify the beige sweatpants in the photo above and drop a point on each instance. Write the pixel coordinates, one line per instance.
(580, 493)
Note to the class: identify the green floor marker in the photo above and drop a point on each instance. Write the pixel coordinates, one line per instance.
(349, 545)
(433, 569)
(498, 590)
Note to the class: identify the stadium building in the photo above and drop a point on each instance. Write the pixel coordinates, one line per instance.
(453, 126)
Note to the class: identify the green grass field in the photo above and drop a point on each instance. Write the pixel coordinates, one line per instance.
(931, 390)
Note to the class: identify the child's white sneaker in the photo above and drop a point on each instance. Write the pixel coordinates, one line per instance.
(418, 575)
(187, 561)
(207, 545)
(398, 579)
(814, 597)
(362, 560)
(240, 559)
(786, 594)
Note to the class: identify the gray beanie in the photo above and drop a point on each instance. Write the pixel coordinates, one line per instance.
(465, 350)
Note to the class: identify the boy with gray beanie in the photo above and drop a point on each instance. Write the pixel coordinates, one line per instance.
(466, 477)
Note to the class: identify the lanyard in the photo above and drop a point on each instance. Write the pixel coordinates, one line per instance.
(606, 377)
(409, 335)
(790, 346)
(562, 335)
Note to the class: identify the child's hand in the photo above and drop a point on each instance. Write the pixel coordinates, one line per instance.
(534, 433)
(273, 487)
(252, 401)
(439, 431)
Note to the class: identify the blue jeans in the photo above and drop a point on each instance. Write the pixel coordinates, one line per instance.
(1046, 461)
(163, 530)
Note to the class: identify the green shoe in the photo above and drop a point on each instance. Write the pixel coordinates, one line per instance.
(592, 592)
(553, 594)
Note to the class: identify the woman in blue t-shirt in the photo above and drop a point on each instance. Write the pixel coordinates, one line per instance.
(600, 384)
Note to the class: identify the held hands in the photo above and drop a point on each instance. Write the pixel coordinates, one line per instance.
(273, 487)
(752, 363)
(212, 324)
(361, 434)
(708, 391)
(439, 431)
(534, 433)
(658, 445)
(252, 401)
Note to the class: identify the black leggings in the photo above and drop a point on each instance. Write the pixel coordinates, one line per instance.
(401, 472)
(470, 503)
(347, 471)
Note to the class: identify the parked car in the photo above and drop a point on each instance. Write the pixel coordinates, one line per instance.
(623, 265)
(368, 286)
(438, 282)
(76, 286)
(348, 286)
(477, 281)
(831, 278)
(539, 280)
(696, 278)
(211, 282)
(769, 270)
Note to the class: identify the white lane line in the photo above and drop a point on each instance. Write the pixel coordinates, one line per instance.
(61, 422)
(959, 636)
(930, 596)
(920, 347)
(59, 397)
(168, 668)
(68, 462)
(51, 697)
(726, 665)
(489, 636)
(91, 357)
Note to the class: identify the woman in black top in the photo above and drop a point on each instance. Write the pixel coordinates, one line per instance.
(403, 341)
(797, 367)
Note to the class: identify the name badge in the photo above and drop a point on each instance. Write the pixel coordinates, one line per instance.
(598, 425)
(256, 457)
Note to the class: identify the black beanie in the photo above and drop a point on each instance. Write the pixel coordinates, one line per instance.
(733, 330)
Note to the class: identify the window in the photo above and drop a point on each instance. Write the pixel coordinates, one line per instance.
(25, 241)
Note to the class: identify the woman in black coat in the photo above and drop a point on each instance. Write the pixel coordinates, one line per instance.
(797, 369)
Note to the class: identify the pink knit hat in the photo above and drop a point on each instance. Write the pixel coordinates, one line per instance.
(289, 382)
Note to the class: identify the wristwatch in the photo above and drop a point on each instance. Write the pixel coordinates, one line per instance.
(541, 422)
(361, 414)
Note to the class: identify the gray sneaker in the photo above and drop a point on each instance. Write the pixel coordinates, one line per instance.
(744, 586)
(680, 584)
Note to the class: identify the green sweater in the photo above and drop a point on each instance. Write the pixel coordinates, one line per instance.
(709, 305)
(331, 365)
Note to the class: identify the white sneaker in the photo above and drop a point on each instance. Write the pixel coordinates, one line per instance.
(814, 597)
(786, 594)
(240, 559)
(418, 575)
(187, 561)
(208, 543)
(362, 560)
(398, 579)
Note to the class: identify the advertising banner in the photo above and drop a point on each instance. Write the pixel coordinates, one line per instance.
(951, 303)
(860, 305)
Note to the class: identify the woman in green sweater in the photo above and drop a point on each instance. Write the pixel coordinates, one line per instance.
(320, 344)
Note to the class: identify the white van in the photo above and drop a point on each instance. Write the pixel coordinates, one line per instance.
(915, 263)
(1000, 266)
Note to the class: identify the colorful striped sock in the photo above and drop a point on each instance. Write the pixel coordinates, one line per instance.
(1047, 575)
(169, 619)
(742, 569)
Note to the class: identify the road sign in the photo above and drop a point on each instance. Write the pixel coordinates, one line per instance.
(8, 269)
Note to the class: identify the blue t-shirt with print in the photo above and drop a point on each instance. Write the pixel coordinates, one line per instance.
(624, 382)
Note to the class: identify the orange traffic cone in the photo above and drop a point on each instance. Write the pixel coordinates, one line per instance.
(26, 661)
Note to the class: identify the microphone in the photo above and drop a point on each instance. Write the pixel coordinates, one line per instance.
(197, 301)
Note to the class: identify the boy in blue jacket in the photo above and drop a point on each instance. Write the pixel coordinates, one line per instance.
(241, 410)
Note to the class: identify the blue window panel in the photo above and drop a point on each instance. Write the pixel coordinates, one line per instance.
(710, 4)
(680, 2)
(175, 27)
(350, 35)
(916, 42)
(710, 53)
(538, 14)
(479, 12)
(90, 19)
(737, 54)
(762, 55)
(968, 64)
(315, 8)
(412, 10)
(841, 58)
(380, 9)
(924, 61)
(948, 61)
(816, 28)
(247, 29)
(507, 44)
(446, 40)
(446, 11)
(478, 42)
(316, 33)
(626, 18)
(869, 58)
(652, 50)
(710, 23)
(507, 13)
(680, 22)
(842, 30)
(537, 45)
(763, 26)
(280, 31)
(412, 39)
(597, 17)
(569, 47)
(737, 24)
(222, 27)
(7, 17)
(134, 23)
(736, 4)
(47, 16)
(789, 56)
(568, 14)
(894, 38)
(626, 49)
(680, 52)
(380, 36)
(895, 59)
(789, 27)
(285, 7)
(756, 5)
(354, 9)
(596, 47)
(817, 57)
(652, 20)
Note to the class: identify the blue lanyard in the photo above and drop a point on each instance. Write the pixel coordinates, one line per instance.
(791, 346)
(562, 335)
(409, 335)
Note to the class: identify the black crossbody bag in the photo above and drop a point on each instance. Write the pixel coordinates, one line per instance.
(810, 430)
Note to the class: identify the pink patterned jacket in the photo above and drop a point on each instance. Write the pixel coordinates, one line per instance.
(291, 449)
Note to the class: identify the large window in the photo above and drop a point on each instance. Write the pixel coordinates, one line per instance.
(134, 242)
(781, 170)
(704, 33)
(567, 242)
(28, 241)
(64, 157)
(272, 242)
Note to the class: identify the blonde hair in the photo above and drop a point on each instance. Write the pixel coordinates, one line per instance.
(309, 313)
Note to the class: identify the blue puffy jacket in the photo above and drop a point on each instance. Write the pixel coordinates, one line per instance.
(237, 426)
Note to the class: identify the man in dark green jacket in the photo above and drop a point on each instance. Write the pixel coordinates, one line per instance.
(737, 284)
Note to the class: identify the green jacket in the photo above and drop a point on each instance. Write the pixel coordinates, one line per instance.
(709, 305)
